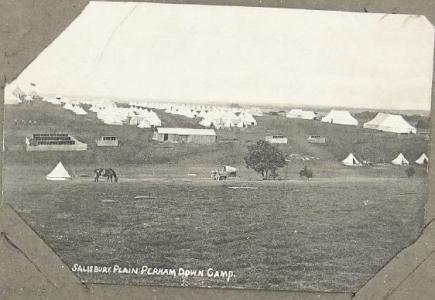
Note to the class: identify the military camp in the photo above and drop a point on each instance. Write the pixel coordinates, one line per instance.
(169, 159)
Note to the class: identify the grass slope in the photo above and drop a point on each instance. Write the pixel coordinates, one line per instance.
(136, 146)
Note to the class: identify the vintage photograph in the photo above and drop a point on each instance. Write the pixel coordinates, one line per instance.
(224, 146)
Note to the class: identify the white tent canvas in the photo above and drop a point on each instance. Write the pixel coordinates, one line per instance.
(390, 123)
(400, 160)
(248, 119)
(12, 100)
(58, 173)
(422, 160)
(68, 106)
(308, 115)
(229, 123)
(206, 122)
(53, 100)
(297, 113)
(350, 160)
(294, 113)
(240, 124)
(79, 110)
(144, 124)
(342, 117)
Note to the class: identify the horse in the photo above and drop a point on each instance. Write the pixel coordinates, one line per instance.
(109, 173)
(410, 172)
(306, 172)
(273, 174)
(216, 175)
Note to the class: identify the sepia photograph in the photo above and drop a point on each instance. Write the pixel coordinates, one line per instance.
(224, 146)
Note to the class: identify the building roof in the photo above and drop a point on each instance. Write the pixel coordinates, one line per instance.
(186, 131)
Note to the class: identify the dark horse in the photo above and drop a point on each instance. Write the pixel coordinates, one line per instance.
(410, 172)
(306, 172)
(109, 173)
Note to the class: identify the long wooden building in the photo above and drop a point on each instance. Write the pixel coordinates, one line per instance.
(54, 142)
(185, 135)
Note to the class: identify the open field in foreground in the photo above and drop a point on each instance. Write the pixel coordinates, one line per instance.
(325, 234)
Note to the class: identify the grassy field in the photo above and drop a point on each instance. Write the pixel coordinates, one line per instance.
(331, 233)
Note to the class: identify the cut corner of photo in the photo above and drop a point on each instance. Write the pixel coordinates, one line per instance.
(215, 146)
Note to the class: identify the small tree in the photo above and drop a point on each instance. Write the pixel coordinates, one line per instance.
(264, 158)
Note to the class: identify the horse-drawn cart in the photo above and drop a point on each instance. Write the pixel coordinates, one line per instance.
(223, 173)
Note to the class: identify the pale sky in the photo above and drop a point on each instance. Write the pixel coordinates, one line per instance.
(196, 53)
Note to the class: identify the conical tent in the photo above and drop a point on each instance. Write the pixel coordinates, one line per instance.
(79, 110)
(350, 160)
(240, 124)
(229, 123)
(422, 160)
(144, 124)
(58, 173)
(249, 119)
(400, 160)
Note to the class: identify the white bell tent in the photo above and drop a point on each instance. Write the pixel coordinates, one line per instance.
(58, 173)
(400, 160)
(422, 160)
(351, 160)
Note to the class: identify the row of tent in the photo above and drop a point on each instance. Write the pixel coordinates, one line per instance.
(400, 160)
(224, 119)
(77, 109)
(196, 110)
(210, 115)
(144, 118)
(219, 116)
(110, 113)
(18, 96)
(213, 115)
(60, 173)
(382, 121)
(139, 115)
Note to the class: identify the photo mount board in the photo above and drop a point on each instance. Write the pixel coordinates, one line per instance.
(109, 202)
